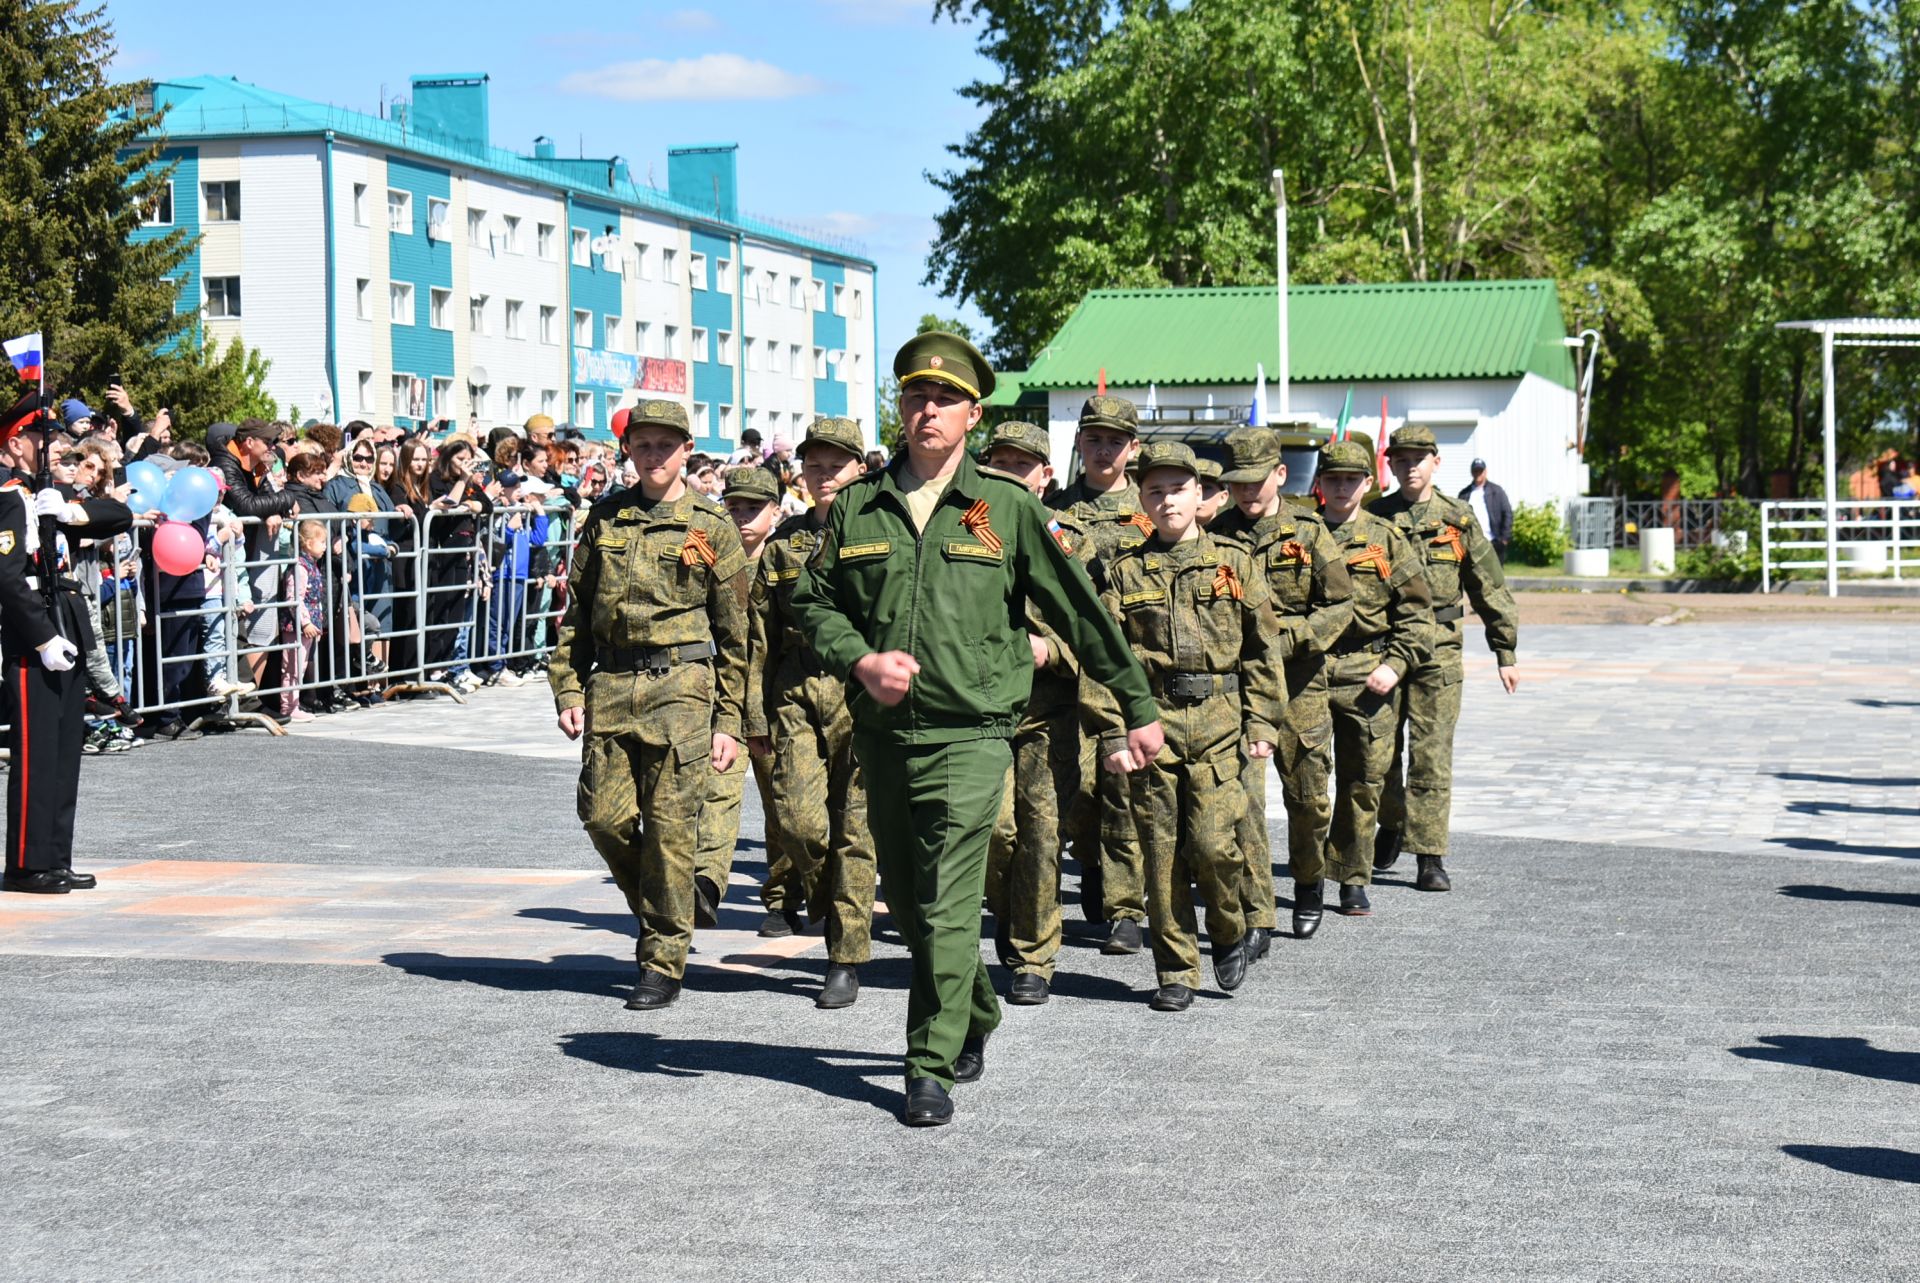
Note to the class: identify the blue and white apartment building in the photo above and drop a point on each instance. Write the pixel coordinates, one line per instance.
(403, 269)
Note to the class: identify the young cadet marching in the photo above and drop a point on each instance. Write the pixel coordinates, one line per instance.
(751, 497)
(1460, 563)
(918, 594)
(1106, 503)
(798, 710)
(1391, 634)
(650, 665)
(1023, 875)
(1313, 595)
(1200, 618)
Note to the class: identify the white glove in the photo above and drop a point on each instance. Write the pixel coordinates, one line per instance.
(56, 655)
(51, 503)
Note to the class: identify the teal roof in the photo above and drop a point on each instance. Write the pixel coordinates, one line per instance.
(1337, 333)
(201, 107)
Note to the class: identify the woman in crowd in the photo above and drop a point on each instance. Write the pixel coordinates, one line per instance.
(412, 495)
(368, 548)
(460, 509)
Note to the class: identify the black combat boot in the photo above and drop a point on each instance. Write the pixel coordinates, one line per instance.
(972, 1060)
(653, 992)
(1122, 937)
(1433, 875)
(1386, 848)
(841, 988)
(1309, 899)
(1354, 902)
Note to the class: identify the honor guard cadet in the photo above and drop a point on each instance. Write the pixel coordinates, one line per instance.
(798, 710)
(1023, 874)
(650, 665)
(1462, 566)
(1107, 504)
(918, 594)
(1199, 617)
(1313, 595)
(45, 629)
(1390, 635)
(751, 497)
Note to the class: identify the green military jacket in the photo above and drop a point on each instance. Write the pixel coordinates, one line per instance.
(778, 655)
(1199, 606)
(1114, 522)
(1460, 561)
(1392, 605)
(954, 596)
(1305, 569)
(646, 576)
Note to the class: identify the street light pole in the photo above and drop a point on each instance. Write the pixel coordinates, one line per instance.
(1279, 182)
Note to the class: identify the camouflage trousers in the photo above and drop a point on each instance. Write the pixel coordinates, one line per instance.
(1104, 840)
(821, 802)
(782, 889)
(1303, 759)
(1023, 862)
(1419, 791)
(719, 834)
(646, 765)
(1363, 726)
(1187, 814)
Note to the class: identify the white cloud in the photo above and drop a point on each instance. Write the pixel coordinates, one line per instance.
(713, 77)
(689, 20)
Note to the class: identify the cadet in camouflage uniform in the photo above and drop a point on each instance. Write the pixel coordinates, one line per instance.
(1461, 563)
(650, 665)
(798, 710)
(1023, 869)
(1313, 595)
(1200, 619)
(750, 497)
(1214, 498)
(1391, 634)
(1107, 506)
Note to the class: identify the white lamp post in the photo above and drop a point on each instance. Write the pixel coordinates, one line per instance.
(1279, 182)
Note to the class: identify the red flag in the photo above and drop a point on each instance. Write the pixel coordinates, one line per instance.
(1103, 382)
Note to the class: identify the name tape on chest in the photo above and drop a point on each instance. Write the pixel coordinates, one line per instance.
(876, 548)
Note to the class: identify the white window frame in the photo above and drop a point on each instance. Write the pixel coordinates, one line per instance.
(582, 318)
(642, 335)
(364, 386)
(439, 397)
(437, 300)
(477, 313)
(859, 304)
(819, 363)
(231, 304)
(549, 401)
(642, 263)
(363, 301)
(477, 399)
(514, 244)
(150, 217)
(616, 335)
(549, 325)
(438, 212)
(670, 342)
(723, 346)
(543, 240)
(400, 303)
(670, 266)
(226, 187)
(723, 275)
(817, 294)
(796, 364)
(582, 409)
(796, 293)
(839, 299)
(702, 349)
(360, 207)
(477, 229)
(700, 419)
(726, 422)
(773, 356)
(399, 212)
(516, 403)
(513, 318)
(697, 270)
(752, 351)
(582, 242)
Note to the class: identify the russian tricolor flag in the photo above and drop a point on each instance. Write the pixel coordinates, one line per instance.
(26, 354)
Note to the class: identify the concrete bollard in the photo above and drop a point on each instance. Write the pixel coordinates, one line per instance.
(1656, 551)
(1589, 563)
(1864, 558)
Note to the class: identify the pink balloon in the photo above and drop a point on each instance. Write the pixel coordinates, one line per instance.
(178, 548)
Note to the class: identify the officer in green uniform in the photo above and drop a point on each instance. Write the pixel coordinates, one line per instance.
(1390, 635)
(798, 711)
(1023, 870)
(918, 595)
(1307, 575)
(650, 665)
(1106, 502)
(1462, 566)
(751, 498)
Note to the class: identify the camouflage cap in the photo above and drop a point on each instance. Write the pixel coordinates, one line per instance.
(1413, 436)
(1030, 438)
(1252, 453)
(1345, 456)
(947, 358)
(1168, 454)
(751, 482)
(1207, 470)
(840, 433)
(1115, 413)
(659, 414)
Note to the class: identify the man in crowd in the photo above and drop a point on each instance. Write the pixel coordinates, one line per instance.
(1491, 508)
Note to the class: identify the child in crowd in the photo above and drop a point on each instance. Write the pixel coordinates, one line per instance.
(309, 614)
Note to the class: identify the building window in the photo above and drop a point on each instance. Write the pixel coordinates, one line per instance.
(400, 303)
(582, 248)
(753, 420)
(159, 212)
(543, 240)
(363, 301)
(726, 422)
(752, 350)
(613, 405)
(402, 388)
(514, 328)
(723, 275)
(437, 211)
(616, 335)
(855, 360)
(796, 293)
(549, 402)
(515, 399)
(640, 339)
(223, 202)
(512, 237)
(477, 314)
(223, 295)
(773, 356)
(477, 229)
(859, 307)
(360, 212)
(818, 294)
(697, 271)
(799, 423)
(366, 391)
(399, 212)
(642, 261)
(839, 300)
(794, 361)
(725, 340)
(437, 301)
(819, 363)
(699, 417)
(442, 406)
(670, 341)
(701, 352)
(669, 266)
(583, 409)
(476, 399)
(549, 325)
(582, 328)
(837, 363)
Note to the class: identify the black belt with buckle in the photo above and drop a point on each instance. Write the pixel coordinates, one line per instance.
(1193, 688)
(1371, 646)
(637, 659)
(1447, 614)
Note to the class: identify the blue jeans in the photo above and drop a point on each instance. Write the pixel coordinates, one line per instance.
(506, 615)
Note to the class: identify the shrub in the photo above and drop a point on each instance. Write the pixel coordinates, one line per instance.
(1538, 537)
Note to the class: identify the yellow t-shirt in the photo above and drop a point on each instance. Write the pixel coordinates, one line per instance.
(921, 496)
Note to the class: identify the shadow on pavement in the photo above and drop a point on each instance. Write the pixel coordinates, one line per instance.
(1904, 899)
(1842, 1055)
(1827, 846)
(621, 923)
(1848, 808)
(818, 1069)
(1876, 1161)
(1865, 781)
(1887, 703)
(584, 973)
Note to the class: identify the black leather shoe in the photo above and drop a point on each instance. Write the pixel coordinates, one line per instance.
(1354, 902)
(774, 926)
(1122, 937)
(1172, 998)
(706, 903)
(1029, 989)
(1433, 875)
(972, 1060)
(928, 1104)
(45, 882)
(1230, 965)
(1309, 898)
(1386, 848)
(80, 881)
(1259, 943)
(842, 987)
(653, 992)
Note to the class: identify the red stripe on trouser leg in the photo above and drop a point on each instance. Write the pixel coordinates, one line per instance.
(26, 739)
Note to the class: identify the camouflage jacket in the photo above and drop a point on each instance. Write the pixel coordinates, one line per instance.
(1114, 523)
(1392, 605)
(1311, 588)
(1461, 561)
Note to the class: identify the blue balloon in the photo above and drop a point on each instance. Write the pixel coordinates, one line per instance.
(191, 494)
(139, 502)
(147, 477)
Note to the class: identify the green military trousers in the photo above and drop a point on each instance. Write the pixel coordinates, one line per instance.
(1023, 879)
(782, 891)
(1189, 813)
(1363, 727)
(931, 809)
(1418, 799)
(822, 804)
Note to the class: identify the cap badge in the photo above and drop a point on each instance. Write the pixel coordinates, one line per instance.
(934, 362)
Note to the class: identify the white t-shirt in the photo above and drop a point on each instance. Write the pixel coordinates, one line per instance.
(1477, 500)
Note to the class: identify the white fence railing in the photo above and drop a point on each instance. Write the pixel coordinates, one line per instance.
(1868, 538)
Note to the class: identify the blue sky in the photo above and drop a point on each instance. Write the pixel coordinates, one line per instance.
(839, 106)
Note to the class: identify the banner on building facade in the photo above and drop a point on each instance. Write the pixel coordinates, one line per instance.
(662, 374)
